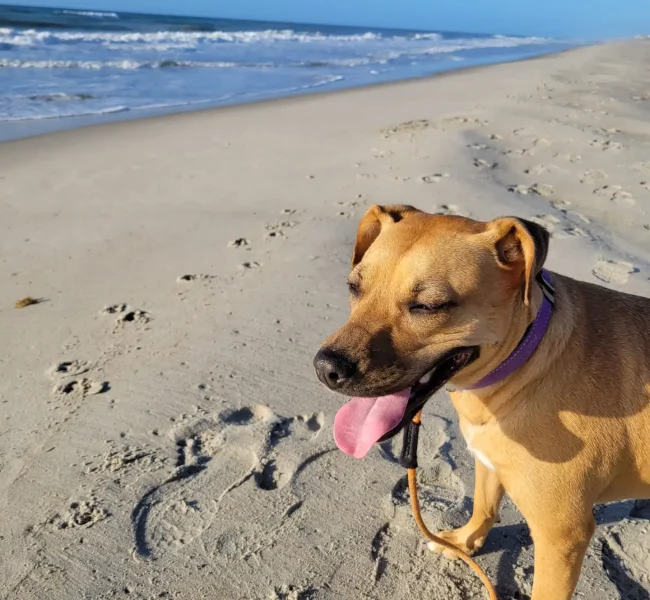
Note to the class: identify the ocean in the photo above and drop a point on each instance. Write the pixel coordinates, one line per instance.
(57, 63)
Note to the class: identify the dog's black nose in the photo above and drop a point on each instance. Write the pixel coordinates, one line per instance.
(333, 368)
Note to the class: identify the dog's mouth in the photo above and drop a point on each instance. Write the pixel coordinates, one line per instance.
(362, 422)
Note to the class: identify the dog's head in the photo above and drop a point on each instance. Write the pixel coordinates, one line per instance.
(433, 299)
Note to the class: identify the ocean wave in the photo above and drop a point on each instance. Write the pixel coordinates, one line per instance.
(32, 37)
(427, 36)
(89, 13)
(133, 65)
(127, 65)
(91, 113)
(463, 45)
(334, 62)
(373, 56)
(162, 41)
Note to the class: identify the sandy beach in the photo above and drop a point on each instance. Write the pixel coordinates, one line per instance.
(162, 433)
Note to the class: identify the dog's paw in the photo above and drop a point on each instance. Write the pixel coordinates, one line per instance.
(466, 542)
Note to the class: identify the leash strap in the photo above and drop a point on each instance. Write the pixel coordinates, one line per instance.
(409, 457)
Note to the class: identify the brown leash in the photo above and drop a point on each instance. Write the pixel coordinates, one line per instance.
(409, 459)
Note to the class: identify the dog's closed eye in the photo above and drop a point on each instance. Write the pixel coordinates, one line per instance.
(354, 288)
(420, 308)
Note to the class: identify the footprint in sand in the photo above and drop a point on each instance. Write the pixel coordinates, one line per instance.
(592, 176)
(554, 226)
(484, 165)
(542, 169)
(450, 209)
(544, 189)
(622, 197)
(124, 459)
(572, 158)
(216, 454)
(406, 127)
(275, 235)
(615, 193)
(79, 388)
(126, 314)
(292, 592)
(377, 153)
(378, 550)
(613, 271)
(461, 120)
(522, 131)
(436, 178)
(277, 230)
(576, 231)
(519, 152)
(434, 489)
(68, 368)
(80, 513)
(190, 278)
(249, 266)
(625, 556)
(560, 204)
(606, 145)
(350, 204)
(607, 190)
(239, 243)
(549, 222)
(580, 216)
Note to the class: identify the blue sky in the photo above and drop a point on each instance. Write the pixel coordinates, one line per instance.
(565, 18)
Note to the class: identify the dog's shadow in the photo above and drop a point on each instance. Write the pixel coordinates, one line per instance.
(512, 540)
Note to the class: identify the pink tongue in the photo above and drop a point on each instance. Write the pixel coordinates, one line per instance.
(362, 421)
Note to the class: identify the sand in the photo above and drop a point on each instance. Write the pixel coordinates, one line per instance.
(162, 433)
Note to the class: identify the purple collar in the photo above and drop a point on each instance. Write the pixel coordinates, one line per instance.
(531, 339)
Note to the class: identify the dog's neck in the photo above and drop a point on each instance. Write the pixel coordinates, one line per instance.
(527, 345)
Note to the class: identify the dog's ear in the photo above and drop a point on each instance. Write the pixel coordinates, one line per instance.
(521, 247)
(376, 218)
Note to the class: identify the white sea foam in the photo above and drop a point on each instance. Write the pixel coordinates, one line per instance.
(74, 113)
(31, 37)
(91, 13)
(375, 55)
(189, 39)
(127, 65)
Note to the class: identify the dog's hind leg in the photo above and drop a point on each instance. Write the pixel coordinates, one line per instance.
(560, 545)
(488, 493)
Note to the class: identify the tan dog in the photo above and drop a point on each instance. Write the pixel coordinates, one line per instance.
(440, 298)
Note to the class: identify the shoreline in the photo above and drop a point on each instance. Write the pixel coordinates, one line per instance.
(26, 128)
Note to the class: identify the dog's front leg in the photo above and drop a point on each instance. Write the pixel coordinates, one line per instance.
(488, 493)
(561, 541)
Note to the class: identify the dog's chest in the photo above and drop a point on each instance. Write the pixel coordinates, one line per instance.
(475, 436)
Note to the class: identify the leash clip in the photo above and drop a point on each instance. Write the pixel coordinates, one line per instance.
(409, 456)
